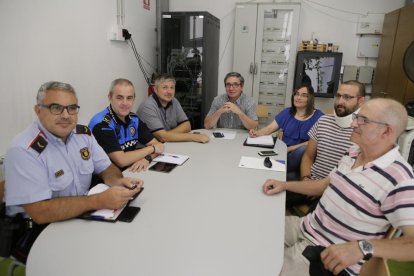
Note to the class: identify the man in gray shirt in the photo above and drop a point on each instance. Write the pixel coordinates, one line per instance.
(233, 109)
(164, 115)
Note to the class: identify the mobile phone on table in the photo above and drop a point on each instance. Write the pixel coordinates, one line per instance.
(218, 134)
(267, 153)
(129, 213)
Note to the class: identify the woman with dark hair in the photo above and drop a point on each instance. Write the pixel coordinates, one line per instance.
(295, 121)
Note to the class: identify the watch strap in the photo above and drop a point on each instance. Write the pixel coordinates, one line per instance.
(148, 158)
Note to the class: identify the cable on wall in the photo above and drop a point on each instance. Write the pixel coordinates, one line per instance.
(145, 73)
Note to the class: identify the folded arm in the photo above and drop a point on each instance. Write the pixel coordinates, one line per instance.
(180, 134)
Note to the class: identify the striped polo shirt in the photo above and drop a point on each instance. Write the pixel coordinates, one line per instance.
(333, 142)
(362, 203)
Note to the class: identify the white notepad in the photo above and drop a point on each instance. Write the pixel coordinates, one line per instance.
(266, 140)
(258, 163)
(105, 214)
(171, 158)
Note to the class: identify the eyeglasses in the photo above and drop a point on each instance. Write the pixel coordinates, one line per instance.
(234, 85)
(362, 120)
(57, 109)
(303, 95)
(345, 97)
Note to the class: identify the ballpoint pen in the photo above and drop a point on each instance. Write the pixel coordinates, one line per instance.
(174, 156)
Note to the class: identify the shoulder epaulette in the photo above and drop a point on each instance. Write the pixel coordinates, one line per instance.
(81, 129)
(39, 143)
(107, 119)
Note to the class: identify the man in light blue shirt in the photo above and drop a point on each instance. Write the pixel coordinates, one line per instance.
(49, 165)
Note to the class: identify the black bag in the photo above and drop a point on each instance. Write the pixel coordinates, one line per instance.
(17, 235)
(24, 243)
(316, 267)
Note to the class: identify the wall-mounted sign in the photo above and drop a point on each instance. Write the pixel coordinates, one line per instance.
(146, 4)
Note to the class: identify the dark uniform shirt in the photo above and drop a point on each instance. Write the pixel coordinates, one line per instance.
(114, 135)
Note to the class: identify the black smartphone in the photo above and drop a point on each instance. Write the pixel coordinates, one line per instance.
(162, 167)
(218, 134)
(267, 153)
(129, 213)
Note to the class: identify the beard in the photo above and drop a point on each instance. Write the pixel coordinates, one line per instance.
(342, 111)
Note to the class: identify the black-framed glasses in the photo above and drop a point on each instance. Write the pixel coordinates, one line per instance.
(234, 85)
(345, 97)
(57, 109)
(362, 120)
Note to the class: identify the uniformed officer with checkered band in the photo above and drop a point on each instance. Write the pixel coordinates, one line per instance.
(124, 137)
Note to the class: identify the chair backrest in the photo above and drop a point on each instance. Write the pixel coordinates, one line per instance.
(378, 266)
(262, 111)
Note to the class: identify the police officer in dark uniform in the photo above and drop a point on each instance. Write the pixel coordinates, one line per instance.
(123, 136)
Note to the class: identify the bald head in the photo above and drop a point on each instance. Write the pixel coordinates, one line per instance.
(390, 112)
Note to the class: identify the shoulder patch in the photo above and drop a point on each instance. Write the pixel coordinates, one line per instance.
(132, 114)
(107, 119)
(81, 129)
(39, 143)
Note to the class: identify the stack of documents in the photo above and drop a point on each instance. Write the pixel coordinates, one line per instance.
(266, 140)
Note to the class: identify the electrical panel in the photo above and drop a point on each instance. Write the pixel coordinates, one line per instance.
(350, 73)
(265, 43)
(368, 46)
(365, 74)
(370, 24)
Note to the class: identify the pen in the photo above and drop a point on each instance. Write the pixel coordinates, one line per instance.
(173, 156)
(97, 217)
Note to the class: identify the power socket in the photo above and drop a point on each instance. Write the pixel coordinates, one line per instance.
(115, 34)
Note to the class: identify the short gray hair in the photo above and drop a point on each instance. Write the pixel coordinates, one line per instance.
(53, 85)
(120, 82)
(163, 78)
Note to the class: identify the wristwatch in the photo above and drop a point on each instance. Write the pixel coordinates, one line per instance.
(148, 158)
(366, 248)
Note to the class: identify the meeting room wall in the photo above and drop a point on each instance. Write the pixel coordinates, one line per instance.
(327, 20)
(67, 41)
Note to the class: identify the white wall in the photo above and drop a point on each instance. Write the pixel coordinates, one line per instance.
(62, 40)
(44, 40)
(317, 20)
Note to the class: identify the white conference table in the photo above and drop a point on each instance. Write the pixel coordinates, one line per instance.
(207, 217)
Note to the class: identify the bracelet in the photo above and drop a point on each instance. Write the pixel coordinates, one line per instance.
(153, 148)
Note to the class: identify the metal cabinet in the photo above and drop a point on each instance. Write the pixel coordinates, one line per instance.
(265, 46)
(190, 52)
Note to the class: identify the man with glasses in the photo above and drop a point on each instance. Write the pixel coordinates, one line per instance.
(124, 137)
(164, 115)
(49, 167)
(329, 138)
(369, 190)
(233, 109)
